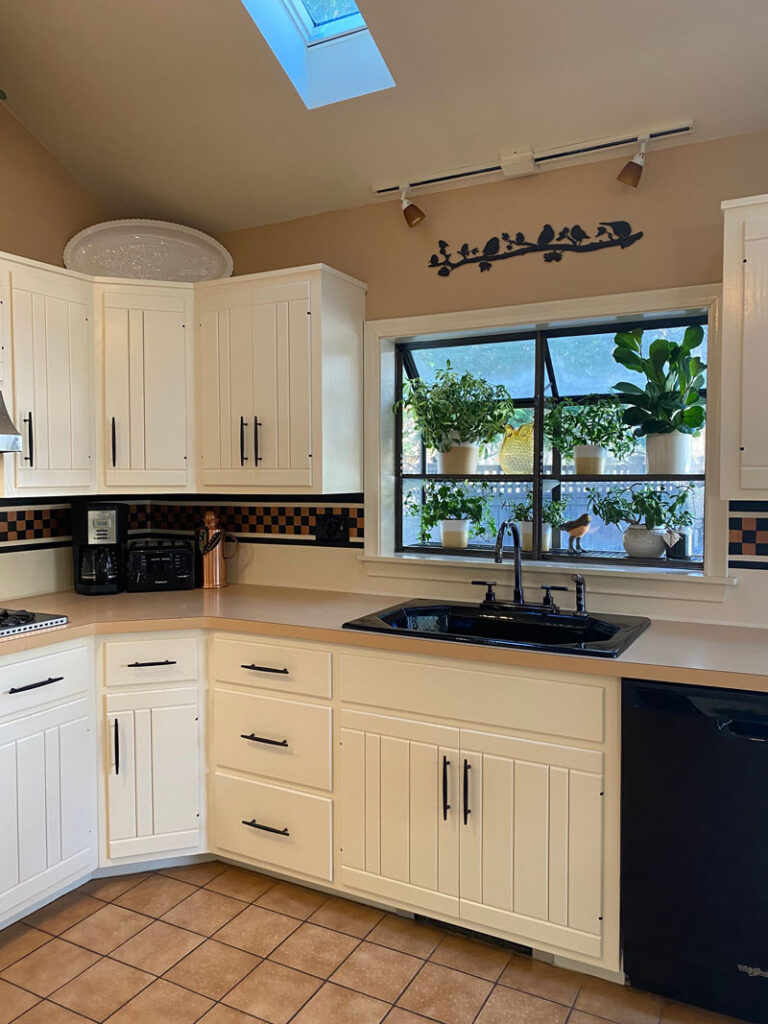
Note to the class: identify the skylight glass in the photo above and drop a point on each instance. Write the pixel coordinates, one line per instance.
(322, 12)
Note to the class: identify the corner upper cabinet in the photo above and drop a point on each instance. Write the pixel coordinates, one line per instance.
(148, 384)
(744, 367)
(51, 333)
(280, 382)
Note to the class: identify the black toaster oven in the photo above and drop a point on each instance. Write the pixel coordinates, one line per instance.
(161, 565)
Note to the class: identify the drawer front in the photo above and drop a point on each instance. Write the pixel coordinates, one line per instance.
(31, 683)
(516, 698)
(282, 739)
(174, 660)
(304, 846)
(272, 666)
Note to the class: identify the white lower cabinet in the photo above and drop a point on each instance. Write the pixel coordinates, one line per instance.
(153, 789)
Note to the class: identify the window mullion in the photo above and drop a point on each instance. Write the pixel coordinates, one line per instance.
(538, 442)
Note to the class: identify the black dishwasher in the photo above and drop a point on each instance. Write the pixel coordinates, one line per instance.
(694, 841)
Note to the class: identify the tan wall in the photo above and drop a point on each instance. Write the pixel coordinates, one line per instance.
(677, 206)
(41, 205)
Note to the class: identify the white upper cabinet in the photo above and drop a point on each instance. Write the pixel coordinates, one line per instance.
(51, 334)
(280, 382)
(744, 367)
(148, 385)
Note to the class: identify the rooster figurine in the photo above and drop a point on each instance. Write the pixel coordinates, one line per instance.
(576, 528)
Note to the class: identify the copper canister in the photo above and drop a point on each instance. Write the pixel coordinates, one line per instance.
(210, 542)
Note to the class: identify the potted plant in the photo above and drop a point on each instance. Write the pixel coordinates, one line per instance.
(552, 517)
(455, 414)
(458, 512)
(653, 515)
(587, 430)
(670, 408)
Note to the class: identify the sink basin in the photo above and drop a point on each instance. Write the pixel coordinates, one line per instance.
(508, 626)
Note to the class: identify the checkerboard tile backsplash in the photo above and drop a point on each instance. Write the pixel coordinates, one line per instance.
(748, 534)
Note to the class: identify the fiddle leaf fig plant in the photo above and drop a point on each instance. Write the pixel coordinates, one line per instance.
(642, 505)
(671, 398)
(456, 408)
(451, 501)
(597, 421)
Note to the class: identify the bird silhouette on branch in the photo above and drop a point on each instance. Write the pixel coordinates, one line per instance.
(609, 234)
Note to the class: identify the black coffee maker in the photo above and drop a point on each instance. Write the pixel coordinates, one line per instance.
(99, 542)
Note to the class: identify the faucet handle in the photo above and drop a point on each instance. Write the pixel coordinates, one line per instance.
(490, 595)
(548, 602)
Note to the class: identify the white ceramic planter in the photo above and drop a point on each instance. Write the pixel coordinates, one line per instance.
(668, 453)
(546, 536)
(642, 543)
(589, 459)
(459, 460)
(454, 533)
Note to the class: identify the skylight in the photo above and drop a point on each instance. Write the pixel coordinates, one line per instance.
(324, 46)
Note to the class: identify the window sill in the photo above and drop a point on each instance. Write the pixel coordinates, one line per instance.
(622, 580)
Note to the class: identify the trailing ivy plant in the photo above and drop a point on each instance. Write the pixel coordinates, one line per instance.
(591, 421)
(671, 399)
(553, 511)
(456, 407)
(451, 501)
(642, 505)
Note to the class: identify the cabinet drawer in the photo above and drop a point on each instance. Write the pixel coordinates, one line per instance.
(38, 681)
(272, 666)
(306, 845)
(282, 739)
(173, 660)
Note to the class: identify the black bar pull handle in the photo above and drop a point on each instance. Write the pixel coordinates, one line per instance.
(35, 686)
(266, 828)
(467, 770)
(243, 456)
(149, 664)
(256, 456)
(117, 749)
(114, 443)
(446, 805)
(265, 668)
(30, 440)
(263, 739)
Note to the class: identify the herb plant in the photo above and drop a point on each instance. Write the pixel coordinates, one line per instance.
(593, 421)
(456, 408)
(671, 399)
(553, 511)
(642, 505)
(451, 501)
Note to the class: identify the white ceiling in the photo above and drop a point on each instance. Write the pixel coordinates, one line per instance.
(178, 109)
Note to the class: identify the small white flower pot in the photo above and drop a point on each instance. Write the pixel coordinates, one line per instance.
(459, 460)
(526, 536)
(454, 533)
(642, 543)
(589, 459)
(546, 536)
(668, 453)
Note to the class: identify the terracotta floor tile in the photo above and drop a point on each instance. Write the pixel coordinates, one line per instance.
(106, 929)
(56, 917)
(18, 940)
(212, 969)
(346, 916)
(50, 1013)
(315, 950)
(404, 934)
(445, 995)
(470, 956)
(542, 979)
(163, 1003)
(577, 1017)
(102, 989)
(334, 1005)
(508, 1004)
(618, 1003)
(220, 1014)
(157, 948)
(399, 1016)
(49, 967)
(14, 1001)
(677, 1013)
(155, 896)
(111, 887)
(377, 971)
(196, 874)
(204, 912)
(293, 900)
(273, 993)
(257, 930)
(241, 884)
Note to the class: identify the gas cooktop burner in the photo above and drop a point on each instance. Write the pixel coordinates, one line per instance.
(14, 620)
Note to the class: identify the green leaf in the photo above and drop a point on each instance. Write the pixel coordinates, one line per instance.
(693, 337)
(693, 416)
(628, 389)
(634, 416)
(659, 354)
(629, 359)
(626, 340)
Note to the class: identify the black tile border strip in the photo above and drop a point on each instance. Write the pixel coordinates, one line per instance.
(748, 506)
(736, 564)
(7, 547)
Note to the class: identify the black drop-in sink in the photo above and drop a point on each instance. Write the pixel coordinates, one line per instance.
(508, 626)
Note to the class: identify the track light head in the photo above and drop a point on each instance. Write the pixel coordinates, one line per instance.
(632, 171)
(413, 215)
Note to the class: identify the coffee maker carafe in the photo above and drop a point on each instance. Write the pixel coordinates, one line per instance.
(99, 539)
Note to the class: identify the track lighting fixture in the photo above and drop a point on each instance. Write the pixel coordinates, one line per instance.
(631, 172)
(413, 215)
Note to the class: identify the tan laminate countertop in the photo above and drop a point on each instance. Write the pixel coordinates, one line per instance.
(714, 655)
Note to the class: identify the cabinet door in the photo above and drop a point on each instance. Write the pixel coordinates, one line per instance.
(47, 802)
(399, 810)
(153, 791)
(53, 373)
(146, 368)
(532, 840)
